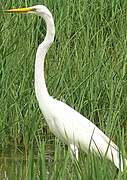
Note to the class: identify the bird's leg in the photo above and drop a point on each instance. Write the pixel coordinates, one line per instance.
(74, 151)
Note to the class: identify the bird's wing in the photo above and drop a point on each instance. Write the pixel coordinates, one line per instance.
(73, 128)
(77, 129)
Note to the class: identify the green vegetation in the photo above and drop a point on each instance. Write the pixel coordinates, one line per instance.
(86, 67)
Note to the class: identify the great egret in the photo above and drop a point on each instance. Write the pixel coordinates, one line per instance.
(66, 123)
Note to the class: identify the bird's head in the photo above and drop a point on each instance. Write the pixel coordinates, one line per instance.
(39, 10)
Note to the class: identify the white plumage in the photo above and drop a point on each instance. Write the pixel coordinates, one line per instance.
(66, 123)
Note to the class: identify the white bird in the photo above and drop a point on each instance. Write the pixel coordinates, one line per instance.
(64, 122)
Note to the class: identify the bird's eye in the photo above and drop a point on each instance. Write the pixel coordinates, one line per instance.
(34, 9)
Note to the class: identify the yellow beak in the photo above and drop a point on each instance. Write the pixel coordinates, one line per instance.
(20, 10)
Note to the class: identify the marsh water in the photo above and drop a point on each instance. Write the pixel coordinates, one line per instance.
(17, 164)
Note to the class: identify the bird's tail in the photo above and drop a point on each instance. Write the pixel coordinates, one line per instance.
(115, 156)
(120, 163)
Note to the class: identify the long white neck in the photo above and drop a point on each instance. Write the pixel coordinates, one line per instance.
(40, 85)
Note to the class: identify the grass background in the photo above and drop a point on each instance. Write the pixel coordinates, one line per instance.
(86, 67)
